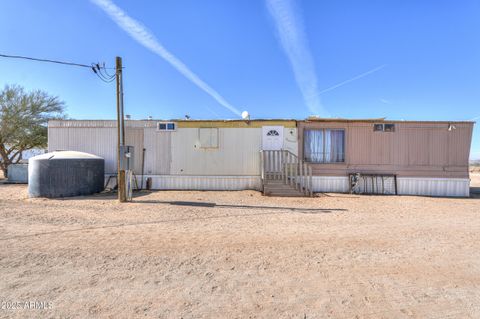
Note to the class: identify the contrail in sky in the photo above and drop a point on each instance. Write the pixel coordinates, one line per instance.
(291, 33)
(145, 37)
(353, 79)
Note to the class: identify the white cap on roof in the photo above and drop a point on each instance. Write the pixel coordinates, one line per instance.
(65, 155)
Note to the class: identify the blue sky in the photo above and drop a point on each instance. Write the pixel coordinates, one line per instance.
(412, 60)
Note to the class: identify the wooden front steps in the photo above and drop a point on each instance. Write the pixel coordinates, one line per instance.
(279, 188)
(284, 174)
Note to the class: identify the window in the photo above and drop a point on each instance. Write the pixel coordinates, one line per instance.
(384, 127)
(166, 126)
(208, 137)
(389, 128)
(378, 127)
(273, 133)
(324, 146)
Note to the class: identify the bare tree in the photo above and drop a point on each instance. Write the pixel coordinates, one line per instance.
(23, 121)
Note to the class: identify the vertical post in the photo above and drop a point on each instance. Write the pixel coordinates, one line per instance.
(143, 167)
(295, 159)
(275, 163)
(310, 180)
(277, 175)
(262, 163)
(305, 172)
(281, 165)
(290, 172)
(301, 180)
(122, 195)
(269, 164)
(395, 181)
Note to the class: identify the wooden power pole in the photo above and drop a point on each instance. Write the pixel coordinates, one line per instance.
(122, 194)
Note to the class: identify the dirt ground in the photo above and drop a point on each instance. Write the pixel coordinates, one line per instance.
(475, 178)
(239, 255)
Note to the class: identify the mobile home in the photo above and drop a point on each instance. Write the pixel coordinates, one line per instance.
(423, 158)
(182, 154)
(323, 155)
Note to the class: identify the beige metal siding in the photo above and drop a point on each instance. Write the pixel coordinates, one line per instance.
(157, 151)
(290, 140)
(177, 152)
(203, 182)
(134, 137)
(237, 153)
(414, 149)
(98, 141)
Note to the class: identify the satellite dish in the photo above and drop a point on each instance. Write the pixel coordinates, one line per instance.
(245, 115)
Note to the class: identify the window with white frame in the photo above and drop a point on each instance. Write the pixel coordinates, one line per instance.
(208, 137)
(324, 145)
(166, 126)
(389, 127)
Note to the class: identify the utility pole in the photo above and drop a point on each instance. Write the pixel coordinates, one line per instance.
(122, 195)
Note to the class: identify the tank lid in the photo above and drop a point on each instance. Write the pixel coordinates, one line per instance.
(65, 155)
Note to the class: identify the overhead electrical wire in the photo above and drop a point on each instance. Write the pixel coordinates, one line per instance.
(99, 70)
(102, 73)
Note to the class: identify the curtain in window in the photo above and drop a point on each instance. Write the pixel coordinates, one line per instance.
(337, 146)
(313, 146)
(324, 146)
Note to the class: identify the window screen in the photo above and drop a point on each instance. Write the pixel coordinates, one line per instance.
(166, 126)
(384, 127)
(208, 137)
(324, 146)
(389, 127)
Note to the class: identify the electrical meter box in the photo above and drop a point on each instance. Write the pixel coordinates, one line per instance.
(127, 158)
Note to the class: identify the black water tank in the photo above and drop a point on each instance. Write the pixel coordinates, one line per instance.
(65, 173)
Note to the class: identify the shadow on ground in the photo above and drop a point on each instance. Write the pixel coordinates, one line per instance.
(215, 205)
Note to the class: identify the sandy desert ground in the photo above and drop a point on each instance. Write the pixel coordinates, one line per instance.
(239, 255)
(475, 177)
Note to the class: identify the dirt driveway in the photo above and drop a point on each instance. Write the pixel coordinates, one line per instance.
(239, 255)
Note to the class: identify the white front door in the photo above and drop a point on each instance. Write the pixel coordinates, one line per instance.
(272, 138)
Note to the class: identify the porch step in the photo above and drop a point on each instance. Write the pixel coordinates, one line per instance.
(278, 188)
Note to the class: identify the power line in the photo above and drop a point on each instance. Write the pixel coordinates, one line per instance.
(44, 60)
(99, 70)
(102, 73)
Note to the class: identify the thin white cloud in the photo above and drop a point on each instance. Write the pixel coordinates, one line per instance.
(291, 33)
(385, 101)
(353, 79)
(474, 119)
(142, 35)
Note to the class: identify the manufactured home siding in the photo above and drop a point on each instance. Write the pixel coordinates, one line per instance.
(134, 137)
(414, 149)
(176, 152)
(237, 153)
(99, 141)
(157, 151)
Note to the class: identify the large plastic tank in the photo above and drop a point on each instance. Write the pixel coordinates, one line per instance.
(65, 173)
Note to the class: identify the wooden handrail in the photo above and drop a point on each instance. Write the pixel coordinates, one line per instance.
(285, 166)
